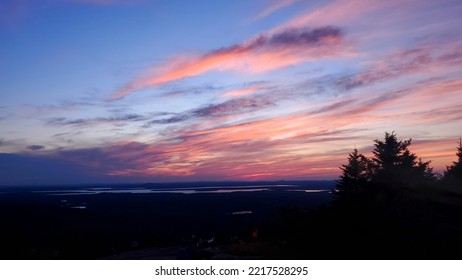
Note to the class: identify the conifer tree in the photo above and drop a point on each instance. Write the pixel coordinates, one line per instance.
(394, 165)
(355, 175)
(453, 173)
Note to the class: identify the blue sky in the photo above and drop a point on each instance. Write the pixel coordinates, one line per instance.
(216, 90)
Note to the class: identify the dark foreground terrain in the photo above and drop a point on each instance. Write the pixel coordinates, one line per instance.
(230, 220)
(157, 221)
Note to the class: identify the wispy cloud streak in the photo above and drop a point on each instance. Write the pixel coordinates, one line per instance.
(276, 6)
(61, 121)
(104, 2)
(410, 62)
(228, 108)
(259, 54)
(35, 147)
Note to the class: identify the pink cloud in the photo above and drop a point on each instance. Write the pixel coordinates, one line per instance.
(240, 92)
(260, 54)
(276, 6)
(340, 12)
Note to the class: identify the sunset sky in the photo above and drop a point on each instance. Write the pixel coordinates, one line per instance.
(154, 91)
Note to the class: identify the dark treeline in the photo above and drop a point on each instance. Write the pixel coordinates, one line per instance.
(389, 206)
(393, 167)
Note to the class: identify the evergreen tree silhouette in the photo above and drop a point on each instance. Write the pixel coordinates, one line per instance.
(392, 165)
(425, 174)
(355, 175)
(395, 166)
(389, 201)
(453, 173)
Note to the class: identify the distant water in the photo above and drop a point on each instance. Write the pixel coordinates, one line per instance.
(77, 197)
(180, 190)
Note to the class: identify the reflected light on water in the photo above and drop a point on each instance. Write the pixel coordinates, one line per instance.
(183, 190)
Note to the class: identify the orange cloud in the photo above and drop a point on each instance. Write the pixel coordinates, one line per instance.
(238, 92)
(260, 54)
